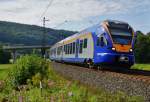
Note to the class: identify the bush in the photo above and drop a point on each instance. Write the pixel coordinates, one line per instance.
(26, 67)
(142, 48)
(4, 56)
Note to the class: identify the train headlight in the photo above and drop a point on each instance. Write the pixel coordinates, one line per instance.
(113, 48)
(131, 50)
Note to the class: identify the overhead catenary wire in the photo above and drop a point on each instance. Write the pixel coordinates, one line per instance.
(45, 11)
(44, 33)
(61, 24)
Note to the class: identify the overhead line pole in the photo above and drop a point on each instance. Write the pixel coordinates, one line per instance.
(44, 38)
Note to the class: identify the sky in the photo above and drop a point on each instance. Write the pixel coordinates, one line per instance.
(76, 15)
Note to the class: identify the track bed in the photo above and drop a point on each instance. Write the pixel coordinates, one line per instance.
(132, 82)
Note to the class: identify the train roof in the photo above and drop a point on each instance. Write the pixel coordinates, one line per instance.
(93, 28)
(115, 21)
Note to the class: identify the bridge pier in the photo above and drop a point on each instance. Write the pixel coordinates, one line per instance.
(43, 51)
(13, 55)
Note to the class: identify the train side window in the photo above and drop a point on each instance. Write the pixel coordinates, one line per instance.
(67, 49)
(61, 49)
(70, 48)
(64, 48)
(77, 47)
(57, 50)
(85, 43)
(74, 44)
(81, 46)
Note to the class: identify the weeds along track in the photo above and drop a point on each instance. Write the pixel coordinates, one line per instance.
(132, 82)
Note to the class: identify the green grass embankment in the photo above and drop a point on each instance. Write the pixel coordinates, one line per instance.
(60, 89)
(141, 67)
(4, 69)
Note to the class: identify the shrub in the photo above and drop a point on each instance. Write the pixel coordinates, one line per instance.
(36, 79)
(26, 67)
(4, 56)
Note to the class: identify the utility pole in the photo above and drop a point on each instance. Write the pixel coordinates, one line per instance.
(44, 38)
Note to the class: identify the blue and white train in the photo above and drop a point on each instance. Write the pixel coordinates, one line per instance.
(110, 42)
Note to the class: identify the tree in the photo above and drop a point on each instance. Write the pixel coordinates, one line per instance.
(4, 56)
(142, 48)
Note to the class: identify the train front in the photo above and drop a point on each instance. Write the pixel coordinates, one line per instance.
(120, 43)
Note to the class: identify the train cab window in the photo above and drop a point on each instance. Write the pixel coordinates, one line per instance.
(81, 46)
(74, 45)
(85, 43)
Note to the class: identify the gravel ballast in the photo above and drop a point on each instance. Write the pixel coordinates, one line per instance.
(104, 79)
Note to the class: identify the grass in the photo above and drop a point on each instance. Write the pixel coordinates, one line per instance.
(141, 67)
(4, 69)
(61, 89)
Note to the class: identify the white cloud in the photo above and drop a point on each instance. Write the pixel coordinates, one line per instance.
(29, 11)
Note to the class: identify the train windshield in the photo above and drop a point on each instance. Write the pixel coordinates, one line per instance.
(121, 34)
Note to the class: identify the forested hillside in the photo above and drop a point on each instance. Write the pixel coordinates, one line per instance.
(142, 47)
(15, 33)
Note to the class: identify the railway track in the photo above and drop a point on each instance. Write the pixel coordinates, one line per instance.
(132, 82)
(132, 74)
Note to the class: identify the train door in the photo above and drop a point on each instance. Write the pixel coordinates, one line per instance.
(77, 49)
(102, 43)
(101, 48)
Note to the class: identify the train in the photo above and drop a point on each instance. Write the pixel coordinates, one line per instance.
(110, 42)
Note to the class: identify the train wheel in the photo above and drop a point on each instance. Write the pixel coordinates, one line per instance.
(128, 67)
(100, 67)
(90, 64)
(85, 63)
